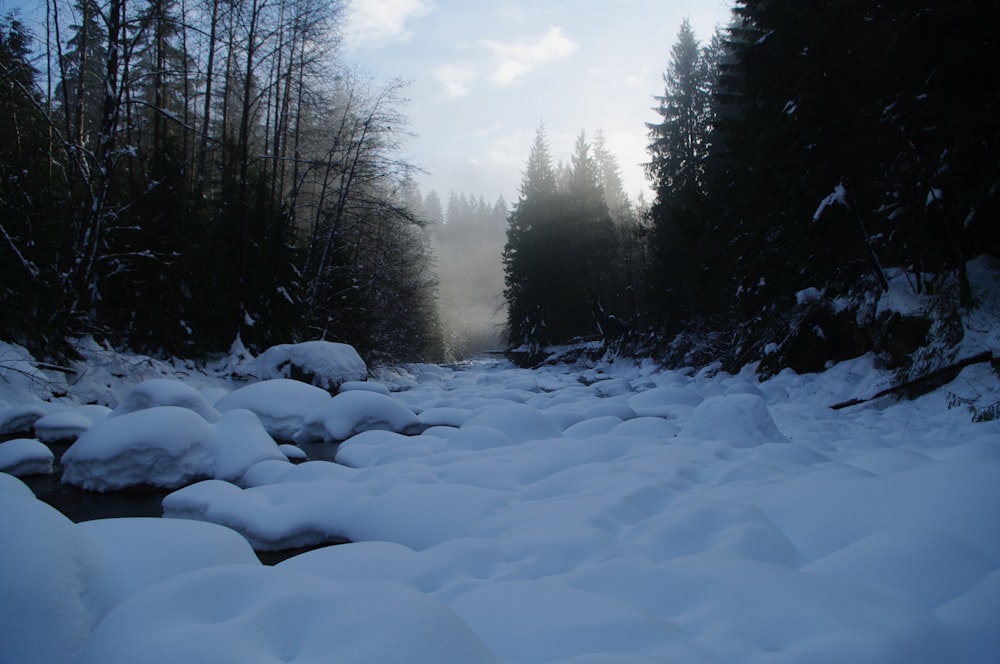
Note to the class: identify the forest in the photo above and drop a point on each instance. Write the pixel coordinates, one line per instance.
(810, 159)
(177, 174)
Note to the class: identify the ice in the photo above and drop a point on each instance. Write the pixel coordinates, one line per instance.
(25, 456)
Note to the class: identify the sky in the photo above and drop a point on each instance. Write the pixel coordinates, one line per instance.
(485, 75)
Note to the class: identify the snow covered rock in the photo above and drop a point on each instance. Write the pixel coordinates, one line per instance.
(20, 419)
(669, 401)
(520, 422)
(165, 392)
(280, 403)
(69, 424)
(25, 456)
(166, 446)
(138, 552)
(46, 562)
(235, 614)
(740, 419)
(370, 386)
(324, 364)
(355, 411)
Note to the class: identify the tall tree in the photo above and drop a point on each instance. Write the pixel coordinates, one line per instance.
(559, 252)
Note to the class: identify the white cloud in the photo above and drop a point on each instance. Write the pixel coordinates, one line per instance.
(456, 79)
(382, 20)
(514, 59)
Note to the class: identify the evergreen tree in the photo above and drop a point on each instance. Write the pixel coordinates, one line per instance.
(681, 269)
(559, 252)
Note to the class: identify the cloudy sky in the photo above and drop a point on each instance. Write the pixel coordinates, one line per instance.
(485, 73)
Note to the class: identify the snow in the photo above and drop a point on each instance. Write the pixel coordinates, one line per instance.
(167, 446)
(612, 513)
(280, 403)
(837, 197)
(20, 419)
(25, 456)
(352, 412)
(165, 392)
(69, 424)
(323, 363)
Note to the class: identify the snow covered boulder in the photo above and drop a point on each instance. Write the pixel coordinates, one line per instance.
(324, 364)
(46, 562)
(355, 411)
(233, 614)
(165, 392)
(20, 419)
(740, 419)
(25, 456)
(166, 446)
(69, 424)
(669, 402)
(522, 423)
(280, 403)
(140, 551)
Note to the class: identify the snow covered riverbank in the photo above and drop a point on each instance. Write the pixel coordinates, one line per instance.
(616, 513)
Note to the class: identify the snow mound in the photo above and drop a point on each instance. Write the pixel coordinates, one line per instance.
(366, 385)
(165, 392)
(59, 578)
(25, 456)
(237, 614)
(46, 563)
(280, 403)
(324, 364)
(10, 484)
(355, 411)
(166, 446)
(519, 421)
(740, 419)
(20, 419)
(666, 401)
(69, 424)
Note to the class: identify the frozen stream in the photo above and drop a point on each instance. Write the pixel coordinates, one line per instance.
(616, 513)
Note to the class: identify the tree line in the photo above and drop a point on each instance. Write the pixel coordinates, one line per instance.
(174, 173)
(807, 157)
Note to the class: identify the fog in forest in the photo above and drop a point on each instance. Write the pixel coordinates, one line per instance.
(468, 236)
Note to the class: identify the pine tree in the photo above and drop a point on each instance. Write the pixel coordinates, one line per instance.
(559, 253)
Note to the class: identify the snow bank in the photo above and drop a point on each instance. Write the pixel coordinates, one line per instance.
(321, 363)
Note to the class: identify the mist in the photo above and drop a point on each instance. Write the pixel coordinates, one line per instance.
(468, 238)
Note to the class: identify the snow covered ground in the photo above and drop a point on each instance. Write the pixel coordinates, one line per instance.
(616, 513)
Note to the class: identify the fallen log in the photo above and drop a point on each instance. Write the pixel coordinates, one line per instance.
(924, 384)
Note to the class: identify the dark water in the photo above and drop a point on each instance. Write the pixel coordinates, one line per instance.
(140, 501)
